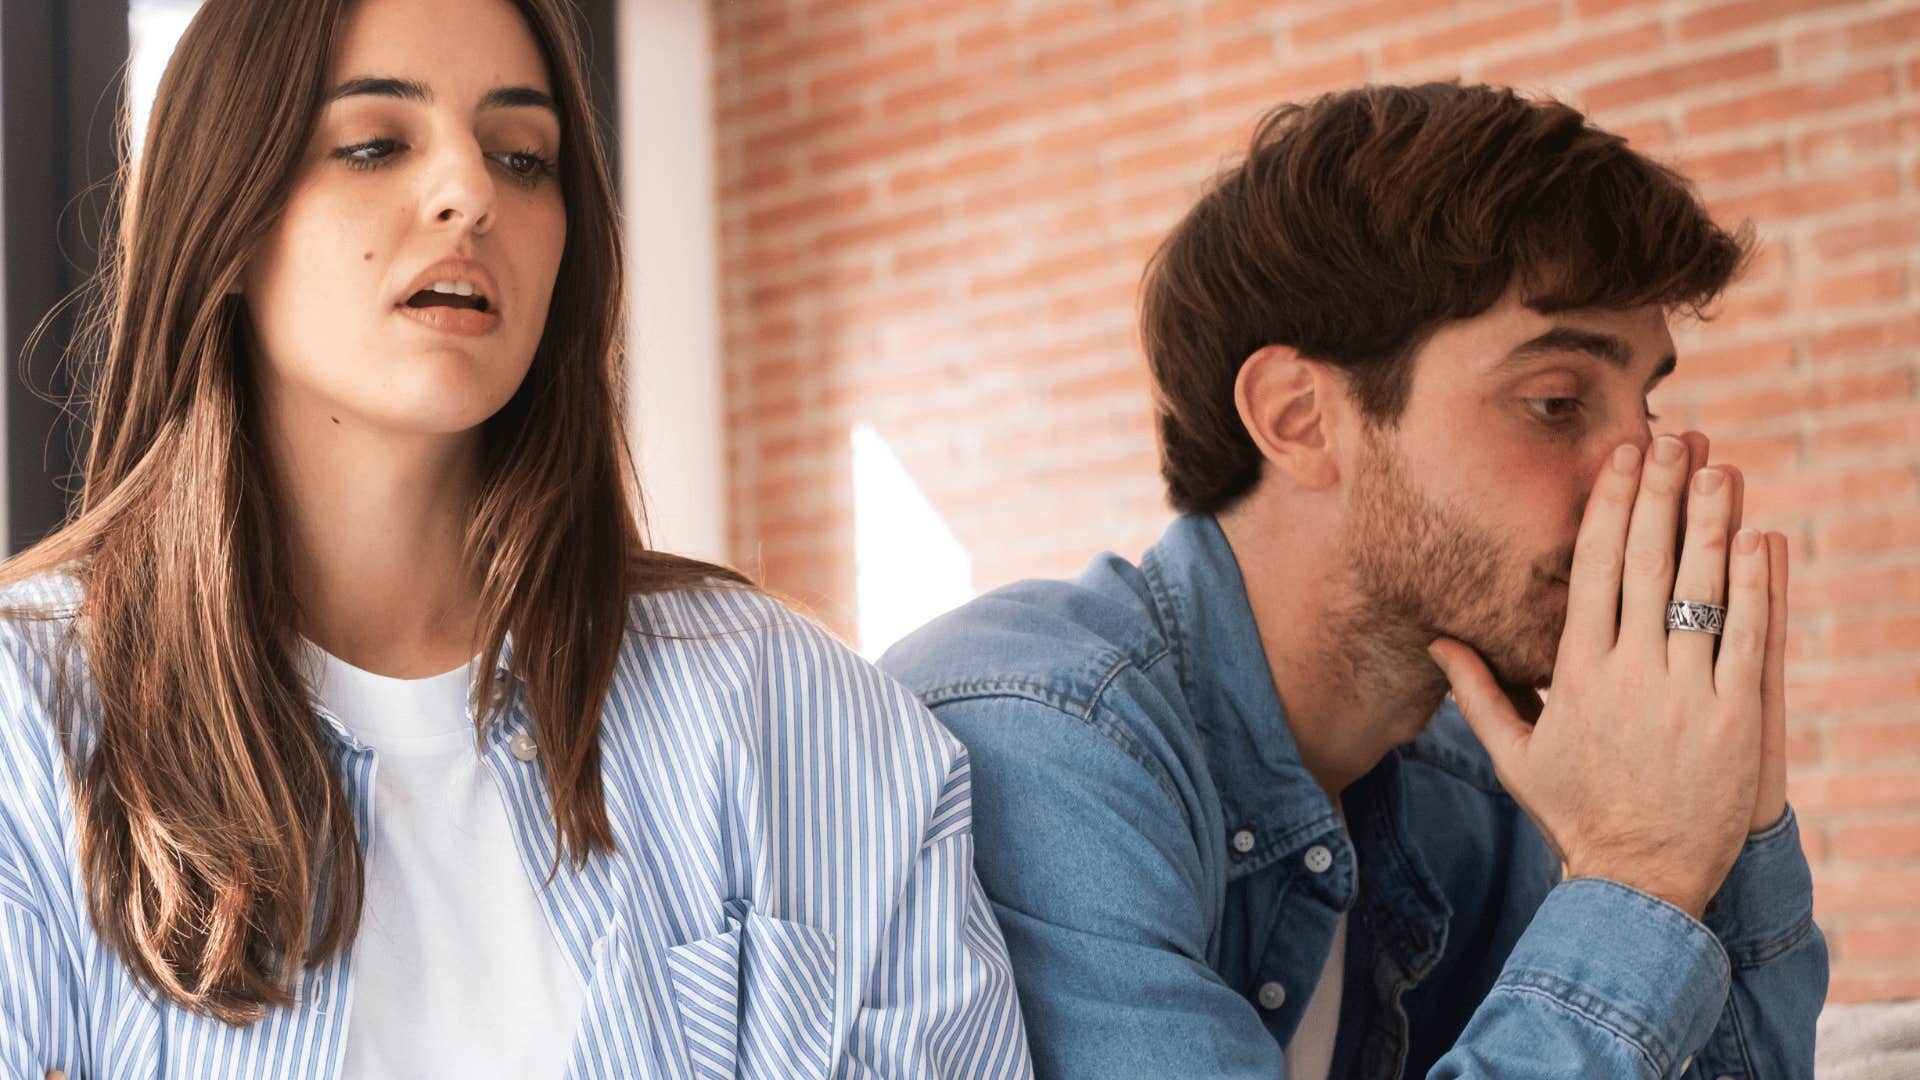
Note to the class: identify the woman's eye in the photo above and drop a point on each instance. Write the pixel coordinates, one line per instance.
(1553, 409)
(525, 164)
(367, 155)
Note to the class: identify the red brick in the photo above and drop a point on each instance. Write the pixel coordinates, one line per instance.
(1858, 740)
(1808, 197)
(1900, 28)
(1042, 272)
(1786, 102)
(1742, 14)
(1866, 435)
(1898, 231)
(1891, 531)
(1857, 592)
(956, 170)
(890, 228)
(1594, 9)
(1103, 46)
(1289, 83)
(1882, 135)
(1471, 35)
(1556, 62)
(1877, 941)
(1805, 397)
(1897, 839)
(921, 14)
(853, 77)
(801, 132)
(891, 143)
(1875, 286)
(1846, 988)
(1348, 19)
(1859, 690)
(812, 207)
(1244, 49)
(1867, 336)
(1855, 790)
(1739, 163)
(1682, 78)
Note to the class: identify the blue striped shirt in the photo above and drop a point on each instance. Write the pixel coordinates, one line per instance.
(792, 893)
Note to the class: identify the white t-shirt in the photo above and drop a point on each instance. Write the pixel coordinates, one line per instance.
(1310, 1054)
(456, 972)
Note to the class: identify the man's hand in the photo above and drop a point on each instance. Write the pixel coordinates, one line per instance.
(1652, 759)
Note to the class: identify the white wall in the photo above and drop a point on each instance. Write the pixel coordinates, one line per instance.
(676, 417)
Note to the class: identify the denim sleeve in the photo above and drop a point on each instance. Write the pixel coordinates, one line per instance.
(1763, 916)
(1089, 857)
(1609, 980)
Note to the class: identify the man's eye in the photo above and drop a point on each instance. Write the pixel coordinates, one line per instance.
(367, 155)
(1553, 409)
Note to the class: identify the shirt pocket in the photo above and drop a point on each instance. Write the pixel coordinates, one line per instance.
(756, 1000)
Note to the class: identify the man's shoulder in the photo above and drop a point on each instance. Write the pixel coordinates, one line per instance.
(1059, 642)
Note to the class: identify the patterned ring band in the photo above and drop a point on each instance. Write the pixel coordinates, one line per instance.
(1695, 616)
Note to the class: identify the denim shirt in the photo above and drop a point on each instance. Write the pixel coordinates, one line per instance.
(1169, 876)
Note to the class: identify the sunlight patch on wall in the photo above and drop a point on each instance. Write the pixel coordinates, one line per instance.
(909, 567)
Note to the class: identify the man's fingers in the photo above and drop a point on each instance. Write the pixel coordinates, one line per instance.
(1647, 569)
(1743, 645)
(1739, 498)
(1593, 595)
(1772, 801)
(1703, 571)
(1485, 705)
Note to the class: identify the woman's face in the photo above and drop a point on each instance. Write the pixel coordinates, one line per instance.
(433, 164)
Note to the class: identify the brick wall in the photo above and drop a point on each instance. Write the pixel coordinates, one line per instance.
(935, 213)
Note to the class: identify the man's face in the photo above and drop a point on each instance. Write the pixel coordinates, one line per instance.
(1463, 515)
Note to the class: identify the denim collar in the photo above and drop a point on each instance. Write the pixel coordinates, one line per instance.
(1201, 601)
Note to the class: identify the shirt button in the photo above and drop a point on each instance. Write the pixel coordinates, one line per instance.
(1319, 858)
(1243, 841)
(523, 747)
(1272, 995)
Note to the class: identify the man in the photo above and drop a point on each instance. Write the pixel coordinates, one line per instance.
(1230, 820)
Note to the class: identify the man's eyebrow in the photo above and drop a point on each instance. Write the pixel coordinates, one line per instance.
(1567, 339)
(500, 97)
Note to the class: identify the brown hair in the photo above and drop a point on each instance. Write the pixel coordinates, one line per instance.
(1361, 221)
(215, 839)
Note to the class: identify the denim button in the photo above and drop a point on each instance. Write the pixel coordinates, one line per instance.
(1272, 995)
(1243, 841)
(1319, 858)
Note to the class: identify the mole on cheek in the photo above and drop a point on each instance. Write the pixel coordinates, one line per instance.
(368, 257)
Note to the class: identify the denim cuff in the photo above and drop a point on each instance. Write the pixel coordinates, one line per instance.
(1765, 906)
(1628, 962)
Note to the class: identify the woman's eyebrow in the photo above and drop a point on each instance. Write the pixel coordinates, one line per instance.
(500, 97)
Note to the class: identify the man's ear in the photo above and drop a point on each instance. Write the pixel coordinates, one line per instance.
(1287, 404)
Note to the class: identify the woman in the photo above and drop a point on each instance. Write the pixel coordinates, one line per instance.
(349, 727)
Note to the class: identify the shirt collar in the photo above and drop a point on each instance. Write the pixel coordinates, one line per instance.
(1264, 787)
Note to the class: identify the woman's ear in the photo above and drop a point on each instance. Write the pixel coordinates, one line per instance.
(1287, 404)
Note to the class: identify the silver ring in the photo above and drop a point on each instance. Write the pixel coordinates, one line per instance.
(1695, 616)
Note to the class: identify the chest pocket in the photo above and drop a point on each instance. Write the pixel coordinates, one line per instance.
(756, 999)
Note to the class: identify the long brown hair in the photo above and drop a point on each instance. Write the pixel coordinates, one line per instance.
(1362, 220)
(218, 848)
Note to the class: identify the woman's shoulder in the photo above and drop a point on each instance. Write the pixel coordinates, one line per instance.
(37, 614)
(794, 671)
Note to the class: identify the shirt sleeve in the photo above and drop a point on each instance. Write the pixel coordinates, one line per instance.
(1763, 916)
(941, 1001)
(1088, 856)
(41, 1019)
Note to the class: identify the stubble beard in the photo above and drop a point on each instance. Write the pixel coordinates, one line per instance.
(1419, 569)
